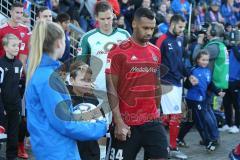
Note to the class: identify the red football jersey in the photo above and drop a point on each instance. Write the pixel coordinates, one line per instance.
(25, 44)
(20, 31)
(137, 67)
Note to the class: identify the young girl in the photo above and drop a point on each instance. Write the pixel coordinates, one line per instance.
(81, 90)
(50, 120)
(203, 115)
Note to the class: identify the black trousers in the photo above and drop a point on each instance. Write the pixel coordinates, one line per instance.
(232, 100)
(89, 150)
(12, 120)
(2, 116)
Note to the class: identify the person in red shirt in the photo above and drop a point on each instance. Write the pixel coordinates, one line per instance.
(133, 90)
(15, 27)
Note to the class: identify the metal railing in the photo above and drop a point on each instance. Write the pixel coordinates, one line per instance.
(75, 31)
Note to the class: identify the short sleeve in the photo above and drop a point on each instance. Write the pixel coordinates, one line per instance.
(113, 63)
(83, 48)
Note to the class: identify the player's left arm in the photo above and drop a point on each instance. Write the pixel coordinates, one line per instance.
(158, 91)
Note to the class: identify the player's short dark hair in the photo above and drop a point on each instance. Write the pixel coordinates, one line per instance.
(177, 18)
(102, 6)
(16, 4)
(40, 10)
(62, 17)
(143, 12)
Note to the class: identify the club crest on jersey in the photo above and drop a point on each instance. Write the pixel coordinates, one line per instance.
(154, 57)
(22, 34)
(108, 65)
(133, 58)
(179, 43)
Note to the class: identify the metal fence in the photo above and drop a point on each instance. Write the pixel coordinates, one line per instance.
(75, 31)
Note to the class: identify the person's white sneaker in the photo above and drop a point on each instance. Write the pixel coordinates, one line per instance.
(233, 129)
(175, 153)
(224, 128)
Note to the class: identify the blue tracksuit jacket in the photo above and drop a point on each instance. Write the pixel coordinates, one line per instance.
(198, 92)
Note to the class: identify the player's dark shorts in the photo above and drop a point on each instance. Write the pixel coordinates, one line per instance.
(151, 136)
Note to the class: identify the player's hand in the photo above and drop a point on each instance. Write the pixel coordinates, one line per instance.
(193, 80)
(221, 94)
(122, 131)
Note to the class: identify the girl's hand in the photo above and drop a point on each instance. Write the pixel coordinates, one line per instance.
(193, 80)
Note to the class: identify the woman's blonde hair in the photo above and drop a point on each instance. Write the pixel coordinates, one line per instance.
(43, 38)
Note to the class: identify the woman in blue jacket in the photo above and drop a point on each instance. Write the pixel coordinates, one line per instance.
(50, 120)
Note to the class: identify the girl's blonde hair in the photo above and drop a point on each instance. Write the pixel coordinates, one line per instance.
(43, 38)
(7, 37)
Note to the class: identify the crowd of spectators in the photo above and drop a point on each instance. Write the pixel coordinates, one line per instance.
(202, 11)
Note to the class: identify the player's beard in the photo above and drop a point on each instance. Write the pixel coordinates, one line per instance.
(174, 31)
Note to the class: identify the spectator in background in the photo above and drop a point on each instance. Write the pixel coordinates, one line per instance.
(146, 4)
(199, 15)
(161, 13)
(168, 3)
(43, 13)
(55, 6)
(121, 22)
(75, 37)
(115, 6)
(64, 20)
(228, 12)
(163, 27)
(127, 10)
(46, 3)
(213, 14)
(85, 14)
(65, 6)
(237, 10)
(181, 7)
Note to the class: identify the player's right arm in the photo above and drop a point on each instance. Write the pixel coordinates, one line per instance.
(121, 130)
(84, 50)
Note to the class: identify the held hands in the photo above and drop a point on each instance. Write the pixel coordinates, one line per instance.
(122, 131)
(193, 80)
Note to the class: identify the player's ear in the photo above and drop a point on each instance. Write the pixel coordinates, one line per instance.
(134, 24)
(114, 16)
